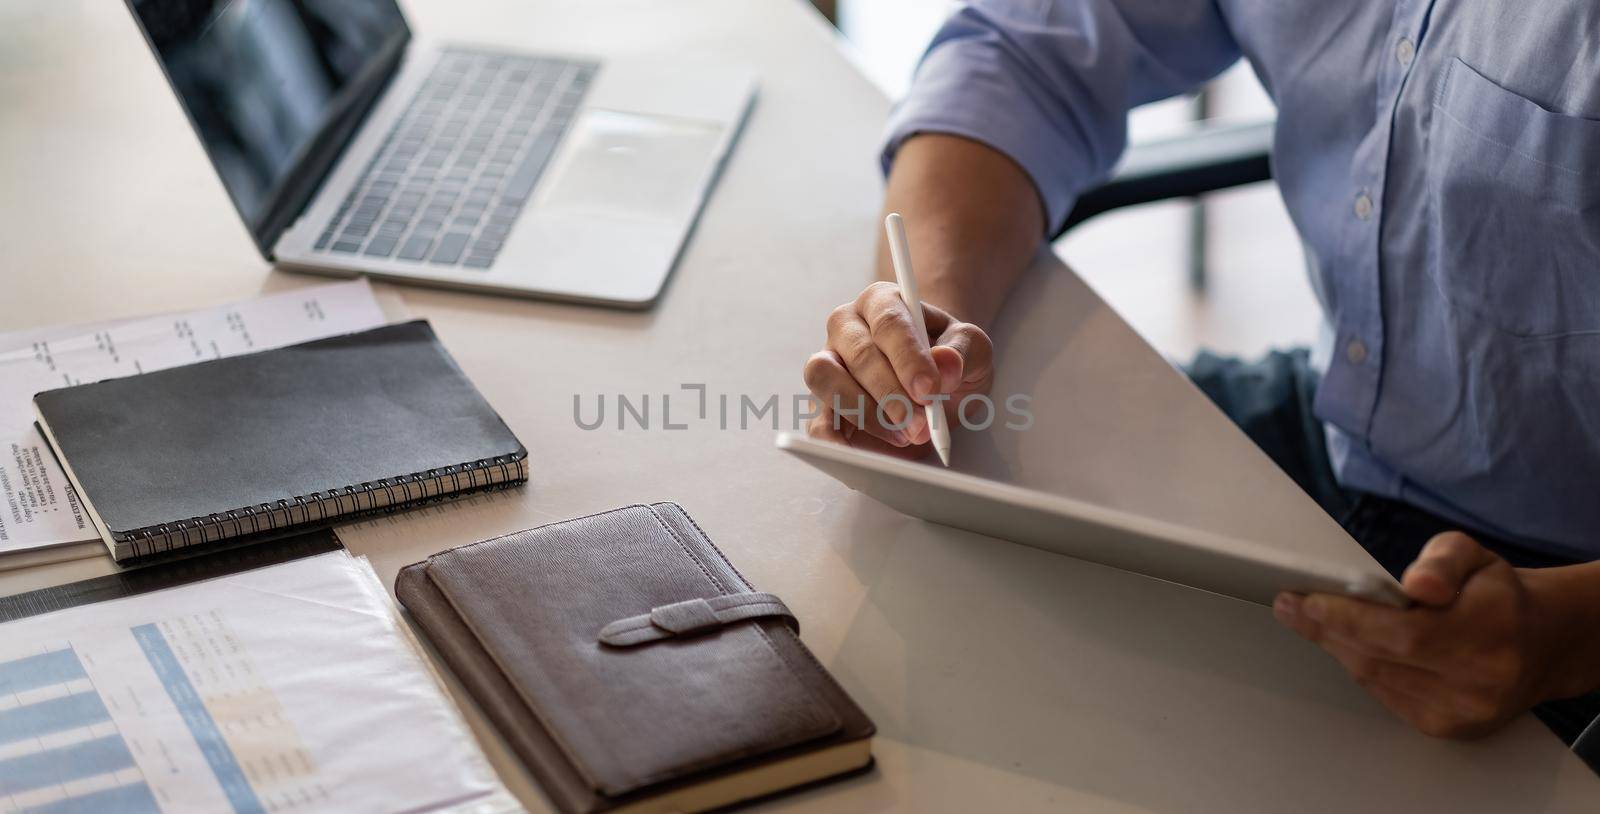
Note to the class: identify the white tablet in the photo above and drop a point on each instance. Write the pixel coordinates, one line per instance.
(1251, 571)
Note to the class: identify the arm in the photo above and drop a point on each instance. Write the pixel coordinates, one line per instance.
(972, 218)
(1016, 108)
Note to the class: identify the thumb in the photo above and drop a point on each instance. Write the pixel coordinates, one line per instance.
(964, 355)
(951, 365)
(1443, 568)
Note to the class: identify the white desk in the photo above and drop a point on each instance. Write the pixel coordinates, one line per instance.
(1001, 678)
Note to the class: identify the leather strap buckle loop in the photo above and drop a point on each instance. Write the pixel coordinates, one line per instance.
(693, 616)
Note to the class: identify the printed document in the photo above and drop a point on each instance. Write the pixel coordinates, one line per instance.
(290, 688)
(37, 505)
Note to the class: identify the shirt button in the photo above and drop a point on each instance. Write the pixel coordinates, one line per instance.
(1363, 206)
(1404, 51)
(1356, 351)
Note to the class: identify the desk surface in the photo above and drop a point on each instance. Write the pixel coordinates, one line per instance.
(1001, 677)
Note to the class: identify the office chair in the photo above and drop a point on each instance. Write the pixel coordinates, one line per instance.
(1209, 158)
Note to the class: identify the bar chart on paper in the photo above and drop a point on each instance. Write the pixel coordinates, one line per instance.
(288, 689)
(61, 748)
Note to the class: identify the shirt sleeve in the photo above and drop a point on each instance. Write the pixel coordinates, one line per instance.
(1050, 82)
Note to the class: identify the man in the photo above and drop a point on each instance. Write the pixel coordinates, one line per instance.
(1441, 160)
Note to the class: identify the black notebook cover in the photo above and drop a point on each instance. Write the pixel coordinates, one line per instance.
(300, 435)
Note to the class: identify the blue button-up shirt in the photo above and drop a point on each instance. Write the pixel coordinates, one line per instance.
(1441, 161)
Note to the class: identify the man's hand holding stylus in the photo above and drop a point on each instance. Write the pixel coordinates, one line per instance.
(874, 373)
(975, 221)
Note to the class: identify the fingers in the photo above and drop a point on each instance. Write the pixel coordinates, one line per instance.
(1424, 714)
(1391, 632)
(1459, 663)
(842, 397)
(1399, 679)
(1412, 693)
(828, 427)
(875, 360)
(850, 338)
(825, 428)
(1443, 568)
(1427, 700)
(894, 333)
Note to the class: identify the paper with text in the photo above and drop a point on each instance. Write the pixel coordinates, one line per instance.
(38, 507)
(290, 688)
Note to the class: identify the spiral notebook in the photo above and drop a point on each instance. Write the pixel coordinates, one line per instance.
(255, 446)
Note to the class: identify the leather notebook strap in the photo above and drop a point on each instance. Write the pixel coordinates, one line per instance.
(693, 616)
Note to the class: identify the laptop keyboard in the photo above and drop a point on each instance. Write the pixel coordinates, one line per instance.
(454, 172)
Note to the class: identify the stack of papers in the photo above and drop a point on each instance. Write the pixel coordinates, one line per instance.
(287, 688)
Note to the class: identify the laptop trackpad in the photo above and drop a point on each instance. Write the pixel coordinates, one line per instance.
(635, 166)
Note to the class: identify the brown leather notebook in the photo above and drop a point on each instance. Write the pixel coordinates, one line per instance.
(632, 668)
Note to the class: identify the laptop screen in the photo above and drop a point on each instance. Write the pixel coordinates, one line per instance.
(263, 81)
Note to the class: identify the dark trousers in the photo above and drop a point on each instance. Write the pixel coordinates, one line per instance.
(1270, 399)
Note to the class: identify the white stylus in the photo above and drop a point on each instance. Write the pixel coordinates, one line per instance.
(900, 253)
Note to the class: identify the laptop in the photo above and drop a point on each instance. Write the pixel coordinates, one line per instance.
(350, 147)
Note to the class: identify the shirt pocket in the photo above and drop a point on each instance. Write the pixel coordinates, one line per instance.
(1514, 193)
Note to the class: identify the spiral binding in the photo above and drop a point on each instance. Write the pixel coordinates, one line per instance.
(348, 502)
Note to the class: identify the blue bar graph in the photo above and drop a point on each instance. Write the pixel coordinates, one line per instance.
(85, 758)
(42, 670)
(48, 717)
(48, 770)
(43, 769)
(64, 764)
(201, 725)
(134, 799)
